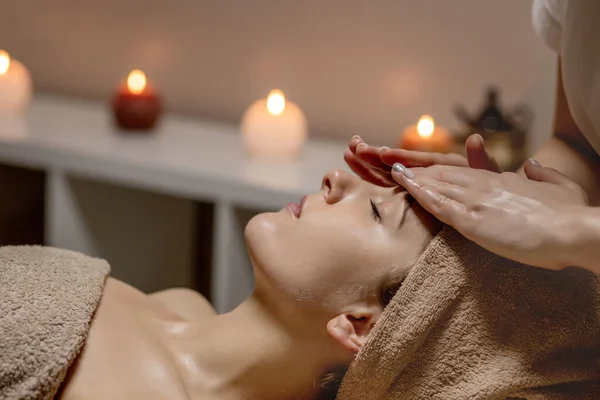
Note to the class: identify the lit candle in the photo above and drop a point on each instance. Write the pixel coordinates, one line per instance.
(136, 104)
(274, 128)
(425, 135)
(15, 85)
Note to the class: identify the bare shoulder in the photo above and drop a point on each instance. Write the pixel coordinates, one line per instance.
(124, 351)
(186, 303)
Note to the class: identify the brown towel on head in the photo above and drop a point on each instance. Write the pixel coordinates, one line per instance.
(467, 324)
(47, 299)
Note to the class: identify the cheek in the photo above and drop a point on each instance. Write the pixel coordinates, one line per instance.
(326, 248)
(315, 260)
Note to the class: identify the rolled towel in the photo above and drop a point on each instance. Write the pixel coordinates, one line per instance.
(467, 324)
(47, 299)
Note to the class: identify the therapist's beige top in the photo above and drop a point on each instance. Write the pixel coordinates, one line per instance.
(572, 29)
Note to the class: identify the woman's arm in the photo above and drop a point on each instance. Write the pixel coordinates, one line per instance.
(568, 151)
(582, 245)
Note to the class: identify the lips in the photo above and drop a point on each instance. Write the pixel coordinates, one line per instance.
(302, 201)
(295, 208)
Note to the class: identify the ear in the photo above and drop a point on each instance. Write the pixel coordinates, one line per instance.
(350, 329)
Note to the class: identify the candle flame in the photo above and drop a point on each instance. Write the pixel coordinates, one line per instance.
(276, 102)
(136, 81)
(4, 62)
(425, 126)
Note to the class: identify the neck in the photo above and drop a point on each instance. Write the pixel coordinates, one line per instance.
(249, 354)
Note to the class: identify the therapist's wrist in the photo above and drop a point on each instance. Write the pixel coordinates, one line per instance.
(579, 241)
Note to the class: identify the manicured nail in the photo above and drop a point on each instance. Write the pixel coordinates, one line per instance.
(398, 168)
(535, 162)
(408, 173)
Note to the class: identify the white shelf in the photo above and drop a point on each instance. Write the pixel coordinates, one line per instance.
(184, 156)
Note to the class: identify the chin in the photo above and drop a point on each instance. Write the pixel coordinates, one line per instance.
(265, 236)
(261, 236)
(259, 228)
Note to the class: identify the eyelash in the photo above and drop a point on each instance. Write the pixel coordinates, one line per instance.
(376, 214)
(385, 296)
(388, 292)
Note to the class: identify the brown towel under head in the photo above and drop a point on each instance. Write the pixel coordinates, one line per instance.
(47, 300)
(467, 324)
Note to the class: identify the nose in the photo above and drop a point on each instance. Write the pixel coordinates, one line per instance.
(338, 184)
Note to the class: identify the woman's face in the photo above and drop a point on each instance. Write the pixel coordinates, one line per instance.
(339, 248)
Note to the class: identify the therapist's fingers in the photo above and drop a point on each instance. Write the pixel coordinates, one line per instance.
(430, 196)
(412, 159)
(355, 164)
(534, 171)
(370, 155)
(355, 141)
(366, 173)
(460, 176)
(451, 191)
(477, 155)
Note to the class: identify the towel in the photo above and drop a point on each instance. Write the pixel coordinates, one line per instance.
(47, 299)
(467, 324)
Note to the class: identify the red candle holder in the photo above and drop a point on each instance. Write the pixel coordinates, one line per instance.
(136, 105)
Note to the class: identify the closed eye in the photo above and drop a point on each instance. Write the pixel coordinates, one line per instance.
(376, 214)
(387, 293)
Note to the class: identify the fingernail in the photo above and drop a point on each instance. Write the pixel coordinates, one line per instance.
(357, 137)
(535, 162)
(361, 145)
(383, 148)
(401, 169)
(479, 137)
(398, 168)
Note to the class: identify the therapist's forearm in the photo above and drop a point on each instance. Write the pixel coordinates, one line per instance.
(569, 151)
(581, 241)
(582, 169)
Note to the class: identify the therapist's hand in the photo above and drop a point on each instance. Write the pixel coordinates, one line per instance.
(526, 219)
(374, 164)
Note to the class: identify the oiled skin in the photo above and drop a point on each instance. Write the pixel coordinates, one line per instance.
(130, 352)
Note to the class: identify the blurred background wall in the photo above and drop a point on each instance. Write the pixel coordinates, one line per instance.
(355, 67)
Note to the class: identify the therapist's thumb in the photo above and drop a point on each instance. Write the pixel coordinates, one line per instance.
(478, 156)
(536, 172)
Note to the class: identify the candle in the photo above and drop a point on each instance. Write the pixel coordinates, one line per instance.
(426, 136)
(15, 85)
(136, 104)
(274, 128)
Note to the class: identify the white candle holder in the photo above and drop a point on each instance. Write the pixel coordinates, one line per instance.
(274, 128)
(15, 85)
